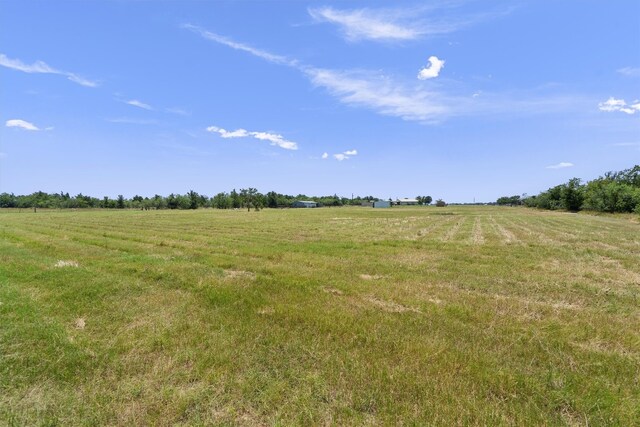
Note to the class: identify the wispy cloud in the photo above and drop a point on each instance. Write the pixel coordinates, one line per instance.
(397, 24)
(368, 24)
(278, 59)
(40, 67)
(630, 71)
(139, 104)
(178, 111)
(273, 138)
(560, 165)
(418, 102)
(612, 104)
(325, 155)
(379, 94)
(355, 88)
(627, 144)
(22, 124)
(432, 70)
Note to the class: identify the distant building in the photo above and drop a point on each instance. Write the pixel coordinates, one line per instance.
(382, 204)
(367, 204)
(406, 202)
(304, 204)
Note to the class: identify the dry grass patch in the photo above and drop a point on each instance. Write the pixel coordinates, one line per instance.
(608, 348)
(507, 236)
(371, 277)
(478, 237)
(62, 263)
(453, 231)
(332, 291)
(239, 274)
(389, 306)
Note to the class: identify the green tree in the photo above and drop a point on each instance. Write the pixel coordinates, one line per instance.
(236, 202)
(221, 201)
(272, 199)
(572, 195)
(251, 198)
(194, 199)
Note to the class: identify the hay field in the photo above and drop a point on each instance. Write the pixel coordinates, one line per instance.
(340, 316)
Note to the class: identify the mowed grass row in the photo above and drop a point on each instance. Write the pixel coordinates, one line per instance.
(457, 315)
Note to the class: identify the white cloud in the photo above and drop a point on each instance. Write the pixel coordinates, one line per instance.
(80, 80)
(41, 67)
(278, 59)
(325, 155)
(345, 155)
(379, 94)
(139, 104)
(238, 133)
(561, 165)
(17, 123)
(612, 104)
(398, 24)
(432, 70)
(367, 24)
(630, 71)
(273, 138)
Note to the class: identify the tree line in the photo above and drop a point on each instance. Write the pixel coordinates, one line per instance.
(612, 192)
(245, 198)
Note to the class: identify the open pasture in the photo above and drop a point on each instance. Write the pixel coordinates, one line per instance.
(421, 315)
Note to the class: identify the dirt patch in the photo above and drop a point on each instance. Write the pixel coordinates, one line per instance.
(265, 311)
(62, 263)
(80, 323)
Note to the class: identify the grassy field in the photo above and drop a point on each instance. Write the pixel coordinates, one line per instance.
(445, 316)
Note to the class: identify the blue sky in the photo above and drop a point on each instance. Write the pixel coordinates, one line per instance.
(459, 100)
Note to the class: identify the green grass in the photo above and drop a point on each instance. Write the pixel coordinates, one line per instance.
(445, 316)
